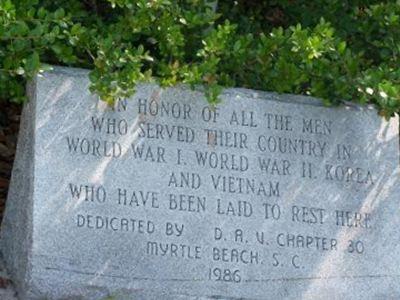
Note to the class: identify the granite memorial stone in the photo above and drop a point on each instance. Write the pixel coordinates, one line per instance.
(162, 196)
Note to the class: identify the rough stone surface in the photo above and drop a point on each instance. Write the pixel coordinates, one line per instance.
(7, 291)
(162, 197)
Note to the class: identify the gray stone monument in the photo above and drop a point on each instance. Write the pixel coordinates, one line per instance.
(162, 196)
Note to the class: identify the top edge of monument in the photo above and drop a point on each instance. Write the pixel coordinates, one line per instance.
(230, 92)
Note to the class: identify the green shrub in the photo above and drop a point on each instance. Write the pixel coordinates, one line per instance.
(335, 50)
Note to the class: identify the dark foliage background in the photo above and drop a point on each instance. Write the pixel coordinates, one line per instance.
(335, 50)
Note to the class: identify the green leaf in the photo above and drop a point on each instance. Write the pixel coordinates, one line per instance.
(32, 63)
(59, 13)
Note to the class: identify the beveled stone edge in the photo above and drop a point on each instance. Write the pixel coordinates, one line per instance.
(25, 153)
